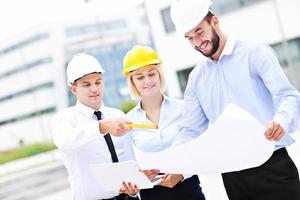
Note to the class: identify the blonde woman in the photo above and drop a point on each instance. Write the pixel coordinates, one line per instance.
(145, 82)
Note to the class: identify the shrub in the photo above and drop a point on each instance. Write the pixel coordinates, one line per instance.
(127, 106)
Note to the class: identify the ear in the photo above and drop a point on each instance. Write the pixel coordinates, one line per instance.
(73, 89)
(214, 21)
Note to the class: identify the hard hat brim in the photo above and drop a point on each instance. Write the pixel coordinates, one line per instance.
(143, 64)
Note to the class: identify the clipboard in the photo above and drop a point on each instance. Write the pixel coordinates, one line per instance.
(111, 175)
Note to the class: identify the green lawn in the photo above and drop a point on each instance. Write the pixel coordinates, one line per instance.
(25, 151)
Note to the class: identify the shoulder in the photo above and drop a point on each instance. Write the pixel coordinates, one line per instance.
(65, 114)
(199, 70)
(111, 112)
(255, 48)
(132, 112)
(175, 101)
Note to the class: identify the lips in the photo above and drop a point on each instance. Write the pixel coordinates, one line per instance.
(203, 45)
(149, 86)
(94, 96)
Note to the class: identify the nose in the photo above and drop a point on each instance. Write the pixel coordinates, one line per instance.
(196, 42)
(94, 88)
(148, 79)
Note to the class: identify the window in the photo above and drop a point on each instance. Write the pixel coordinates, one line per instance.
(183, 76)
(166, 18)
(28, 115)
(27, 66)
(24, 43)
(290, 64)
(27, 91)
(225, 6)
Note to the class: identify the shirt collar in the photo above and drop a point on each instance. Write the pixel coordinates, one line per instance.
(228, 49)
(88, 111)
(229, 45)
(165, 100)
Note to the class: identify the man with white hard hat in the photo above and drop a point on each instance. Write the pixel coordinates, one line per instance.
(84, 133)
(248, 75)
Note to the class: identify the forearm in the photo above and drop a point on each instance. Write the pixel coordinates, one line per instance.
(288, 112)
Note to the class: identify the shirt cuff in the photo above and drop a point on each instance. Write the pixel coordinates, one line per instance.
(283, 122)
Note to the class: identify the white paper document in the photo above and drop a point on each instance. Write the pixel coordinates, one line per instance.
(234, 142)
(111, 175)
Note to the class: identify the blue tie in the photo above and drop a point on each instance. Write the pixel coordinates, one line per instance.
(108, 140)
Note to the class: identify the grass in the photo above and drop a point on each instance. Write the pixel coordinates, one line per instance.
(25, 151)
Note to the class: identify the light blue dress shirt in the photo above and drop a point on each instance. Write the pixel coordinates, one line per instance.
(247, 75)
(152, 140)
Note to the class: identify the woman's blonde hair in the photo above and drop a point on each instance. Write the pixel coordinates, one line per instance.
(135, 93)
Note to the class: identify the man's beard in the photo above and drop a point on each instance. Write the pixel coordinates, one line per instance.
(215, 41)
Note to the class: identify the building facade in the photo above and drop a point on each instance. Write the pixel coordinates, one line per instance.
(33, 70)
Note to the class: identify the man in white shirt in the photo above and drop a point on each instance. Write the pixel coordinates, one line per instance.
(84, 135)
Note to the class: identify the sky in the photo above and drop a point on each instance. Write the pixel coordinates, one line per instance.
(19, 15)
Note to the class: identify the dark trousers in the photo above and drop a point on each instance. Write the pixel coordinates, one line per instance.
(276, 179)
(188, 189)
(123, 197)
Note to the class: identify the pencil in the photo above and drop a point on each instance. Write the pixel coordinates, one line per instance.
(147, 126)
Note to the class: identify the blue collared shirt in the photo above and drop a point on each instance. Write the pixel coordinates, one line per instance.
(248, 75)
(151, 140)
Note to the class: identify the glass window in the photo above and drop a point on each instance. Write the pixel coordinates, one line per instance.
(27, 67)
(27, 91)
(293, 51)
(23, 43)
(183, 76)
(166, 18)
(225, 6)
(28, 115)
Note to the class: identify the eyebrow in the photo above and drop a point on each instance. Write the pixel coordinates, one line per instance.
(140, 73)
(198, 29)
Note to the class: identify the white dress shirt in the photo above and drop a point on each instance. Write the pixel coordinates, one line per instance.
(76, 134)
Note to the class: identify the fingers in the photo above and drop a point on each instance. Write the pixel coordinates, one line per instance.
(170, 180)
(165, 180)
(151, 173)
(274, 131)
(114, 126)
(129, 188)
(268, 132)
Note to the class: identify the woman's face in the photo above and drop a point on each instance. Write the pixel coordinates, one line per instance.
(147, 81)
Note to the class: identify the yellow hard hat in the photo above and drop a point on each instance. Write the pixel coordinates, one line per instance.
(139, 56)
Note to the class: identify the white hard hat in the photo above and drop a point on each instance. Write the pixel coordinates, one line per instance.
(80, 65)
(186, 14)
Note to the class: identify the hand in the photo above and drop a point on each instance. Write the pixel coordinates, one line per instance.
(274, 131)
(170, 180)
(129, 189)
(150, 173)
(114, 126)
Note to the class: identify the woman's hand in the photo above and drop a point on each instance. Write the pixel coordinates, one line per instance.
(129, 189)
(150, 173)
(170, 180)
